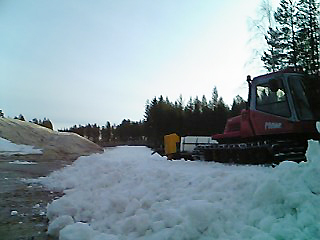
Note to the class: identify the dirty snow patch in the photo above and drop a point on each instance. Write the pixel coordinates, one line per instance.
(22, 162)
(8, 148)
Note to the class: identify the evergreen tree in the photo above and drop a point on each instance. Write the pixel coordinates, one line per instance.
(189, 108)
(287, 17)
(80, 130)
(20, 117)
(35, 121)
(274, 57)
(150, 119)
(160, 119)
(88, 132)
(214, 98)
(196, 119)
(197, 105)
(106, 133)
(237, 105)
(180, 102)
(204, 103)
(95, 133)
(309, 35)
(47, 123)
(295, 40)
(221, 113)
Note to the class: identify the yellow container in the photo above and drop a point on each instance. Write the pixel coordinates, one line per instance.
(170, 143)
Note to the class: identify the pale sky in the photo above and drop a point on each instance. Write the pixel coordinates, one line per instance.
(81, 61)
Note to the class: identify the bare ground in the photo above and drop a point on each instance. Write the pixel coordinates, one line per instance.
(23, 205)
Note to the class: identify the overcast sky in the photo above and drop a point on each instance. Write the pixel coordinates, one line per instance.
(79, 62)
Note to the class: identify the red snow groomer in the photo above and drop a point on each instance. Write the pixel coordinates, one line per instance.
(281, 114)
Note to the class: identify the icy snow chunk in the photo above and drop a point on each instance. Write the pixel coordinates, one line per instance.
(14, 213)
(59, 223)
(269, 192)
(77, 231)
(287, 231)
(313, 152)
(253, 233)
(305, 217)
(119, 204)
(157, 226)
(287, 166)
(266, 223)
(200, 214)
(60, 207)
(255, 215)
(295, 199)
(311, 177)
(104, 236)
(139, 224)
(171, 217)
(132, 207)
(36, 205)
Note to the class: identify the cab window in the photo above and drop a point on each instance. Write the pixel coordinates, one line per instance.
(298, 91)
(271, 98)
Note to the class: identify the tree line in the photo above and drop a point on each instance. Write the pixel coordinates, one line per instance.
(293, 36)
(128, 132)
(44, 123)
(197, 117)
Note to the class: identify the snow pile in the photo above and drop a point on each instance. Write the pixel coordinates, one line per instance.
(54, 145)
(8, 148)
(127, 193)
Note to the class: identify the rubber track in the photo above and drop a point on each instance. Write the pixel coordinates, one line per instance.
(261, 152)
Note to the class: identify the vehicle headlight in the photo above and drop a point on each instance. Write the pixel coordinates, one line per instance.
(318, 127)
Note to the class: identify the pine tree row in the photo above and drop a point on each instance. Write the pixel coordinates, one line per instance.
(196, 118)
(125, 133)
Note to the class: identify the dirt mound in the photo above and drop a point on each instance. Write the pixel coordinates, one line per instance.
(55, 145)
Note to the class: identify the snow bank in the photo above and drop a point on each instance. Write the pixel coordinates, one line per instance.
(127, 193)
(8, 148)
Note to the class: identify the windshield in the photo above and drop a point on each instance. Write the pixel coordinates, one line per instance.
(305, 93)
(271, 98)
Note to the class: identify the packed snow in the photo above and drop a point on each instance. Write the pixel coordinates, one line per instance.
(8, 148)
(127, 193)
